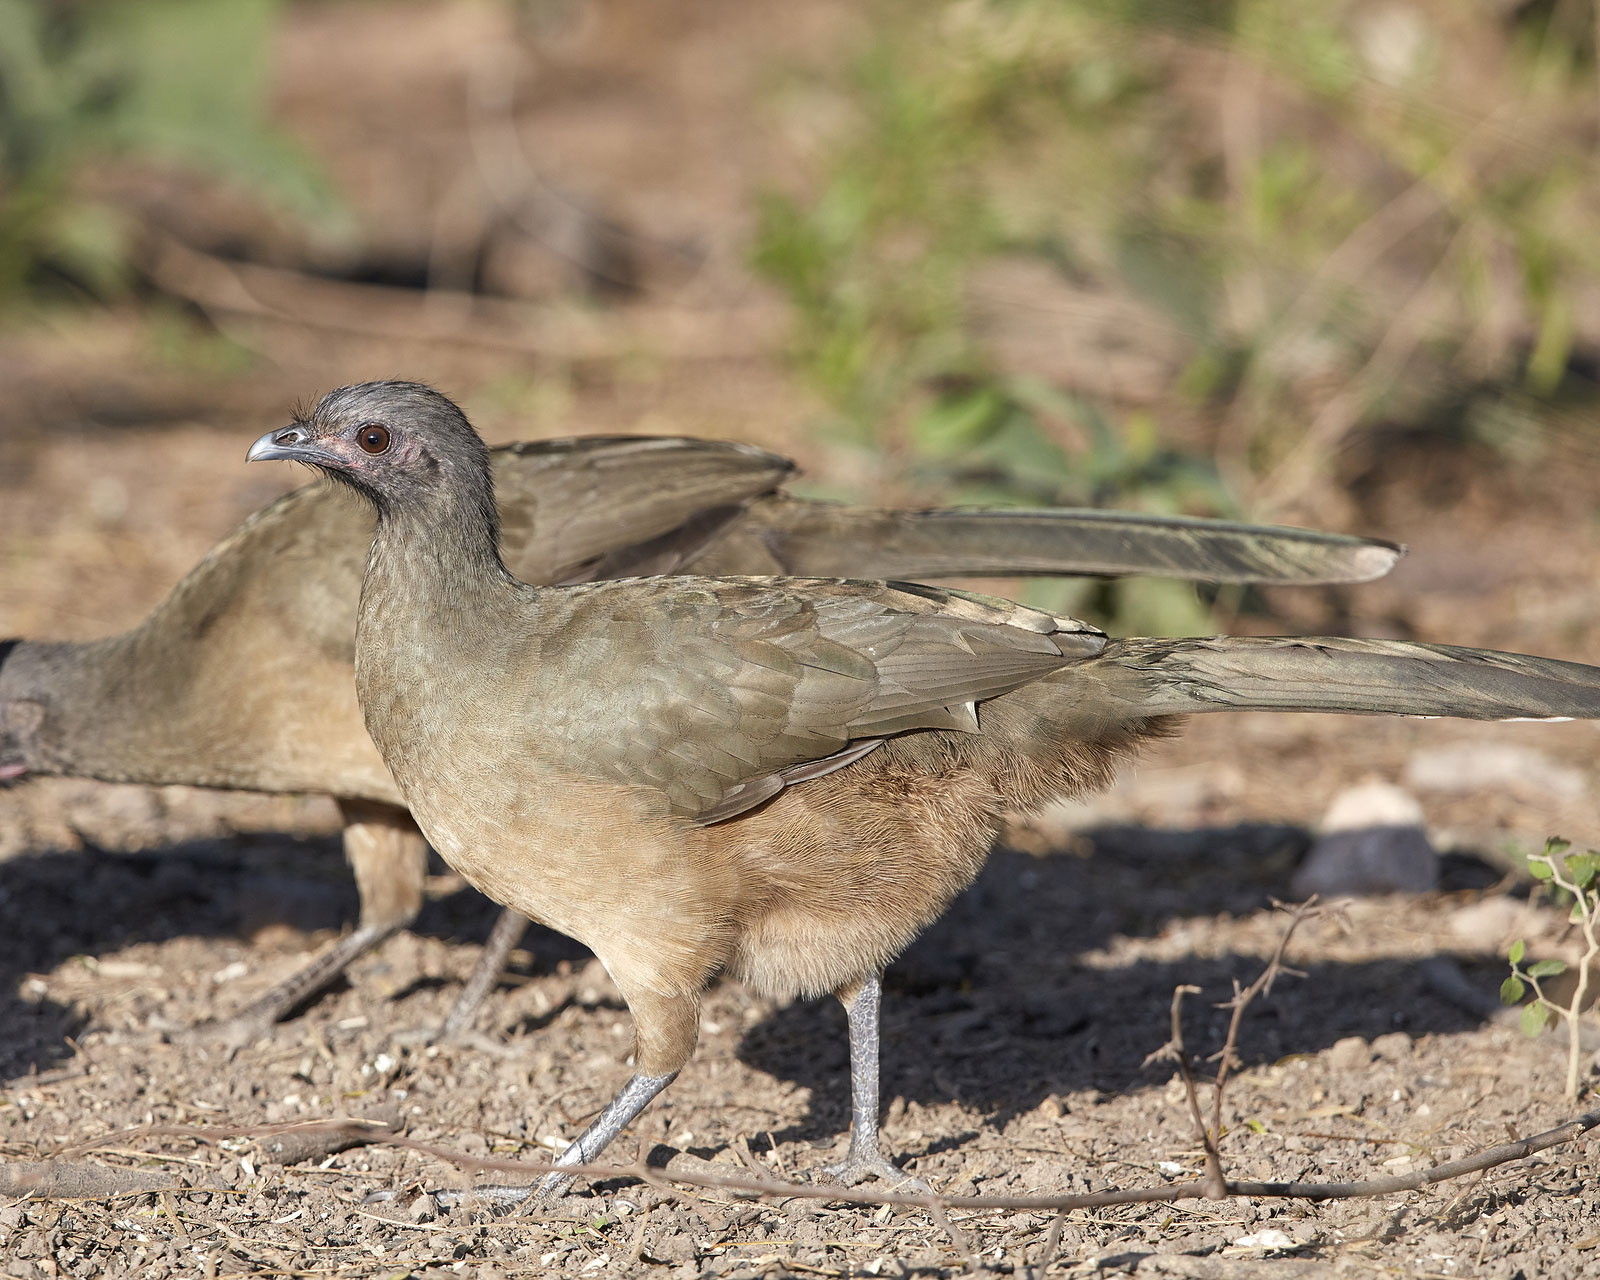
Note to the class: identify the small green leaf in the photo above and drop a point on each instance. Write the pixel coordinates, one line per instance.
(1555, 846)
(1582, 868)
(1515, 954)
(1547, 968)
(1539, 867)
(1512, 990)
(1534, 1017)
(1255, 1126)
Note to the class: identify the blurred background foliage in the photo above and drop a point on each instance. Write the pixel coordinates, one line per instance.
(169, 82)
(1332, 217)
(1306, 194)
(1167, 254)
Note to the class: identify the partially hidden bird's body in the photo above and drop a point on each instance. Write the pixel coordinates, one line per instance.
(782, 778)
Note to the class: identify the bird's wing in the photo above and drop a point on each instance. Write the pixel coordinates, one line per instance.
(718, 692)
(568, 508)
(798, 537)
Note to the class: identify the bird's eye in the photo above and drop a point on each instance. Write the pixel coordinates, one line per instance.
(374, 437)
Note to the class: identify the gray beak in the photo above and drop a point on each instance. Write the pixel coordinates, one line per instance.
(290, 444)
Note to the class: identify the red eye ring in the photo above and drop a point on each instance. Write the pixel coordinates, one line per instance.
(373, 437)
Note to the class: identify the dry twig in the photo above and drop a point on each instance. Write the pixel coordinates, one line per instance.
(1490, 1157)
(281, 297)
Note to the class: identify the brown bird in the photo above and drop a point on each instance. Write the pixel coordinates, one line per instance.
(243, 676)
(783, 779)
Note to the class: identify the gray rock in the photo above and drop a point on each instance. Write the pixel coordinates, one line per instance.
(1372, 842)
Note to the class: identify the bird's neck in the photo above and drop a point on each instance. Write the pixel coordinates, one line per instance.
(437, 607)
(438, 554)
(435, 596)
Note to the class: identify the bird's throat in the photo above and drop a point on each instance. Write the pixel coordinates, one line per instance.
(434, 600)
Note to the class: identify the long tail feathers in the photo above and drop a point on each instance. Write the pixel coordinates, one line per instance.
(822, 540)
(1374, 677)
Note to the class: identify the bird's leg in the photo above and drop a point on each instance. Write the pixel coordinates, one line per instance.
(865, 1158)
(665, 1027)
(507, 932)
(390, 861)
(631, 1099)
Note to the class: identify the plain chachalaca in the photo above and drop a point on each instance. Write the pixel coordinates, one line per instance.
(242, 678)
(784, 779)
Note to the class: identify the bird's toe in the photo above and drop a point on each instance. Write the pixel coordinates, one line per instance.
(859, 1166)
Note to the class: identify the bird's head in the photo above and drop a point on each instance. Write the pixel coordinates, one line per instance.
(20, 720)
(401, 444)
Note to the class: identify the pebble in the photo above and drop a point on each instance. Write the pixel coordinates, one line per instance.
(1372, 842)
(1486, 925)
(1392, 1046)
(1271, 1238)
(1349, 1053)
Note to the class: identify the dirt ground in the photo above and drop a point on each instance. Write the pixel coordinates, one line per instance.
(1015, 1031)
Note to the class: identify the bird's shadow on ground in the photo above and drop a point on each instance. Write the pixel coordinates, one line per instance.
(1005, 1052)
(58, 904)
(991, 1006)
(996, 1008)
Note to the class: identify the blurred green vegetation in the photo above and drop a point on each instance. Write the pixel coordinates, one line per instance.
(1275, 228)
(166, 81)
(1352, 214)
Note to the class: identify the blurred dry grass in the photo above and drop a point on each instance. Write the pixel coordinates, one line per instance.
(1191, 257)
(1279, 224)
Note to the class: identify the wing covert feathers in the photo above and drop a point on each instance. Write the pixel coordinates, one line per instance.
(736, 686)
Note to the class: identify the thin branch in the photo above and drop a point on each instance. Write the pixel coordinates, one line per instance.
(1215, 1180)
(1227, 1057)
(1195, 1189)
(278, 296)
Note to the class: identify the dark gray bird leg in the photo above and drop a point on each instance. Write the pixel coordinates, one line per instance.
(505, 935)
(631, 1099)
(256, 1019)
(865, 1158)
(390, 861)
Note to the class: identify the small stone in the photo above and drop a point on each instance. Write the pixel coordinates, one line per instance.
(1487, 925)
(1349, 1054)
(1271, 1238)
(423, 1209)
(1372, 842)
(1392, 1046)
(675, 1247)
